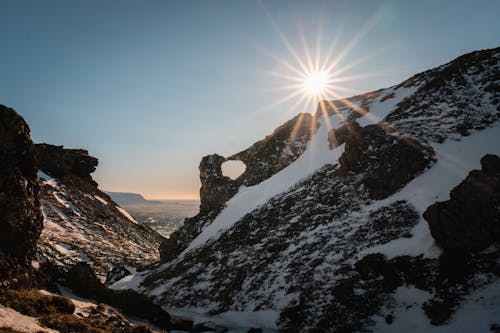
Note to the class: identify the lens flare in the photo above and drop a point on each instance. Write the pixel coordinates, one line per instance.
(316, 83)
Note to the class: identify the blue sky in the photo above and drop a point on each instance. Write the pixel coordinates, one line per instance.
(149, 87)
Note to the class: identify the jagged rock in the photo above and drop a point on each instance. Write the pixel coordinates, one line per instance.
(263, 159)
(470, 220)
(58, 162)
(82, 280)
(20, 217)
(216, 188)
(386, 162)
(276, 151)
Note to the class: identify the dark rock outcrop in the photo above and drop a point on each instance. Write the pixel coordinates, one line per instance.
(82, 280)
(20, 217)
(386, 163)
(470, 220)
(216, 188)
(58, 162)
(262, 160)
(276, 151)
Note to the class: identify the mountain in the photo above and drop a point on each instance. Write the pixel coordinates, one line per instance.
(124, 198)
(33, 210)
(379, 212)
(82, 223)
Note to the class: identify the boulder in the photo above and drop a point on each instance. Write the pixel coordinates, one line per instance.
(59, 162)
(384, 162)
(21, 220)
(470, 220)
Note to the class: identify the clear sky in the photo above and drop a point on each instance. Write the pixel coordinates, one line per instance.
(149, 87)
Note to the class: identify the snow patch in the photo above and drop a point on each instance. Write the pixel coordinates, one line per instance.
(379, 110)
(19, 322)
(101, 199)
(126, 214)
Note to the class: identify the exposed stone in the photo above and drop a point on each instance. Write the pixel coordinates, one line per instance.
(58, 162)
(263, 159)
(216, 188)
(470, 220)
(20, 216)
(82, 280)
(386, 162)
(276, 151)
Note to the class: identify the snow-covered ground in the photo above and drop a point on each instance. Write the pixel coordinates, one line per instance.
(454, 161)
(19, 322)
(477, 314)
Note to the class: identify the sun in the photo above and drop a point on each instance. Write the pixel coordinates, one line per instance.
(316, 83)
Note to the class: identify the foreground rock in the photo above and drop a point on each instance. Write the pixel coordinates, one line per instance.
(470, 220)
(20, 215)
(386, 162)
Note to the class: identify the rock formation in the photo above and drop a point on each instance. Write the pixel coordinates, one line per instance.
(277, 150)
(59, 162)
(20, 217)
(470, 220)
(386, 163)
(216, 188)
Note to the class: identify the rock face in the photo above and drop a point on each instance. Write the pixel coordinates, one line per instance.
(20, 217)
(216, 188)
(59, 162)
(386, 162)
(82, 223)
(276, 151)
(262, 160)
(470, 220)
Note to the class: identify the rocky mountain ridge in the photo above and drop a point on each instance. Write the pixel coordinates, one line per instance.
(333, 250)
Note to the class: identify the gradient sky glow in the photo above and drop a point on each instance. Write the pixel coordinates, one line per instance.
(149, 87)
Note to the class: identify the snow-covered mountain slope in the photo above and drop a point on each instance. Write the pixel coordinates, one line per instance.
(336, 241)
(82, 223)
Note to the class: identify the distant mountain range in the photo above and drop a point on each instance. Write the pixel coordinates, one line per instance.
(125, 198)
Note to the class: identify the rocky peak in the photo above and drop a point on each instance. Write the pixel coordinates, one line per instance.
(20, 215)
(59, 162)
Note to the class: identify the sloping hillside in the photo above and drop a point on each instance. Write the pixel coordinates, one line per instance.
(336, 240)
(81, 223)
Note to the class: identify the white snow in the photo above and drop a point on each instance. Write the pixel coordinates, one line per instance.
(477, 313)
(17, 321)
(126, 214)
(234, 321)
(101, 199)
(454, 161)
(379, 110)
(317, 154)
(43, 175)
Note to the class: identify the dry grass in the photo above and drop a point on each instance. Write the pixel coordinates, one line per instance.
(56, 312)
